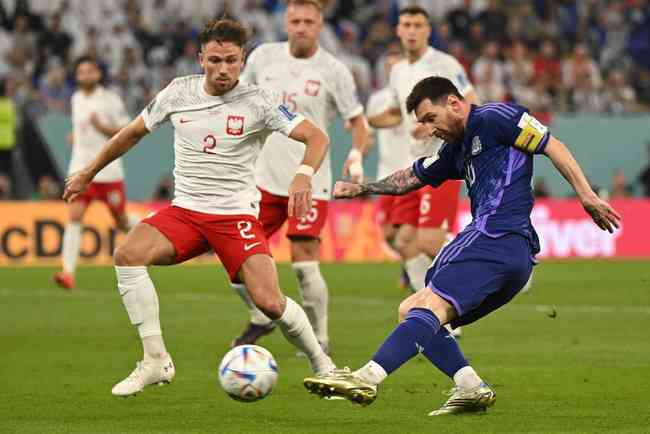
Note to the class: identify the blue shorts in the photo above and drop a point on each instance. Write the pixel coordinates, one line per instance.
(478, 274)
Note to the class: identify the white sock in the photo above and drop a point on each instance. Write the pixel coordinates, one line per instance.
(416, 268)
(315, 296)
(372, 373)
(71, 245)
(141, 303)
(257, 316)
(297, 330)
(467, 378)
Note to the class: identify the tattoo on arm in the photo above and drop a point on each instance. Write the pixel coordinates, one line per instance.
(400, 182)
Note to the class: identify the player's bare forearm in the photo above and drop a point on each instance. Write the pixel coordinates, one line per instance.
(359, 126)
(400, 182)
(118, 145)
(316, 142)
(600, 211)
(567, 165)
(390, 118)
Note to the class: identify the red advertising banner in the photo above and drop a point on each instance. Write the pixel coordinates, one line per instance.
(31, 232)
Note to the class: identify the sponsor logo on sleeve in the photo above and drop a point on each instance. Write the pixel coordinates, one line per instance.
(235, 125)
(286, 112)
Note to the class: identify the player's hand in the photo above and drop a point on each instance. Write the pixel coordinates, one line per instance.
(299, 196)
(76, 184)
(347, 190)
(602, 213)
(354, 169)
(420, 132)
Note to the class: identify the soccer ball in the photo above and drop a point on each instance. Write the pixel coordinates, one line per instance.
(248, 373)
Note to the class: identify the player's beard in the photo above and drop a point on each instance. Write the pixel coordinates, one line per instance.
(301, 47)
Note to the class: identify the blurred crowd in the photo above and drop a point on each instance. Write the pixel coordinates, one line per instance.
(550, 55)
(568, 55)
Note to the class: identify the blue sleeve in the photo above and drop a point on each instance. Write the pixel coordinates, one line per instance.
(436, 169)
(521, 130)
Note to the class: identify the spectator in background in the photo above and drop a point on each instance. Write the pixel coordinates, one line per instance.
(54, 42)
(460, 20)
(24, 37)
(5, 187)
(494, 21)
(644, 176)
(7, 131)
(54, 91)
(585, 97)
(524, 25)
(47, 188)
(580, 66)
(547, 67)
(618, 96)
(538, 99)
(457, 50)
(188, 63)
(489, 74)
(357, 64)
(518, 69)
(620, 187)
(21, 71)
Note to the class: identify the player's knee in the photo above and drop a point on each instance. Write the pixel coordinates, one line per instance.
(126, 255)
(271, 306)
(403, 309)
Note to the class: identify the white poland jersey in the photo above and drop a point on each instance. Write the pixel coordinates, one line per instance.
(217, 140)
(390, 141)
(403, 78)
(87, 141)
(316, 87)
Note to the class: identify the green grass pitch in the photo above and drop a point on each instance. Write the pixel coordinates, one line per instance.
(586, 370)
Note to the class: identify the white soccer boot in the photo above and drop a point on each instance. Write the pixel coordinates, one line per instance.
(145, 374)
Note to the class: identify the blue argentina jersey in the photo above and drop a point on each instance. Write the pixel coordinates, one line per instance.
(495, 158)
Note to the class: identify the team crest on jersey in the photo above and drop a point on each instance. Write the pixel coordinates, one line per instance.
(477, 146)
(235, 125)
(312, 87)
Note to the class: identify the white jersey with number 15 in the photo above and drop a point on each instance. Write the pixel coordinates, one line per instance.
(318, 88)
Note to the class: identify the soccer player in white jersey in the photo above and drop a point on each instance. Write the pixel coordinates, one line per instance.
(315, 84)
(219, 125)
(97, 114)
(424, 216)
(390, 142)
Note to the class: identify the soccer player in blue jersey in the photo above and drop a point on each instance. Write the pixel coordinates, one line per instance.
(491, 147)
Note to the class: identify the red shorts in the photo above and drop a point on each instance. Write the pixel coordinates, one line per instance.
(111, 193)
(232, 237)
(273, 214)
(385, 208)
(428, 207)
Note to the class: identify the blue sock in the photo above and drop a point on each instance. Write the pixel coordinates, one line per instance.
(443, 351)
(409, 338)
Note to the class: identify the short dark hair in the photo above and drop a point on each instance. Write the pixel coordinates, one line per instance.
(414, 10)
(224, 30)
(85, 59)
(433, 89)
(316, 3)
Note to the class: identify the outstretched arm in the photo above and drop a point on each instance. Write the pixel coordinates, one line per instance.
(119, 144)
(600, 211)
(389, 118)
(399, 183)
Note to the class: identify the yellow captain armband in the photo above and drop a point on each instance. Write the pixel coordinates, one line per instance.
(532, 133)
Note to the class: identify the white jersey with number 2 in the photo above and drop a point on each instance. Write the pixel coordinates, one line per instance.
(316, 87)
(217, 140)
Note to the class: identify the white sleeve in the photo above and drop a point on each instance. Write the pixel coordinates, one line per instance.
(119, 116)
(249, 74)
(277, 116)
(378, 102)
(159, 109)
(459, 77)
(344, 91)
(393, 95)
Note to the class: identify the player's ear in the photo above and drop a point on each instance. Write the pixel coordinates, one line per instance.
(200, 58)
